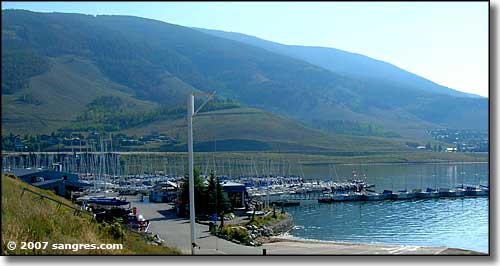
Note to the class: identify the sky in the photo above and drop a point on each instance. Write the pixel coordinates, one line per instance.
(445, 42)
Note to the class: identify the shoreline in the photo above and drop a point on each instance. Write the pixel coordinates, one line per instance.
(364, 247)
(403, 163)
(175, 232)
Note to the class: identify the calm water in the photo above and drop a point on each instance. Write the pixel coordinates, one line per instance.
(405, 176)
(459, 222)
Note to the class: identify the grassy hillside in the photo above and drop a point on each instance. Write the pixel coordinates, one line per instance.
(250, 129)
(161, 62)
(31, 220)
(55, 98)
(384, 85)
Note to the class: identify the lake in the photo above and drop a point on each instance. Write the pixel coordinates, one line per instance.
(452, 222)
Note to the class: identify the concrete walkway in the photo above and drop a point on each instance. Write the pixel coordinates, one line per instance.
(176, 232)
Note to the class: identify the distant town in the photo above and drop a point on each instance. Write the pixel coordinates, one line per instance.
(463, 140)
(65, 140)
(446, 140)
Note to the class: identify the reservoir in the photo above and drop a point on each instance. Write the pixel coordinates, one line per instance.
(452, 222)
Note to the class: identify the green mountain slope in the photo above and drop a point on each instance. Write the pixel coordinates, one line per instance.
(251, 129)
(55, 98)
(386, 86)
(156, 63)
(353, 65)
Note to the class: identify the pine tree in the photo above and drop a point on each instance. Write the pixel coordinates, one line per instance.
(199, 194)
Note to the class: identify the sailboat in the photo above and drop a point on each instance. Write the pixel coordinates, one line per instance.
(403, 194)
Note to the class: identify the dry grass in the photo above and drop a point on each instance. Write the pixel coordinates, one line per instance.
(28, 219)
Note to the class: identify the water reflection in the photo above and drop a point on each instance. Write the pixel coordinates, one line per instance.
(405, 176)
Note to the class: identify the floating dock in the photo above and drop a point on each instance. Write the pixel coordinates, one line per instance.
(404, 195)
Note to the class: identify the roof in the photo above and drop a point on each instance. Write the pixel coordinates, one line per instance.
(46, 182)
(47, 174)
(232, 184)
(78, 183)
(20, 172)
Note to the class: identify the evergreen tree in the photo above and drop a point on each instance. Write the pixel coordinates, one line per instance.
(199, 194)
(217, 199)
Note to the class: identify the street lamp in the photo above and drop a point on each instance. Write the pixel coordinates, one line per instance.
(190, 114)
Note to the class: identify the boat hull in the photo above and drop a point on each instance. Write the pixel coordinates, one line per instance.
(452, 193)
(476, 193)
(427, 195)
(375, 197)
(403, 196)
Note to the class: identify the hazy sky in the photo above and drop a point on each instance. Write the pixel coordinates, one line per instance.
(446, 42)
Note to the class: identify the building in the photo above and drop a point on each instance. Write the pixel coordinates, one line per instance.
(164, 192)
(236, 192)
(62, 183)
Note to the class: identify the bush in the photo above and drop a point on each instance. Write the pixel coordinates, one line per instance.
(236, 233)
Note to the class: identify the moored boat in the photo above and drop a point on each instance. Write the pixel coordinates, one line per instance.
(340, 197)
(388, 194)
(325, 200)
(372, 196)
(403, 194)
(473, 191)
(428, 193)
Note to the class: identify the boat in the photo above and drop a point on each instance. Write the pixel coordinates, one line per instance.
(444, 192)
(403, 194)
(388, 194)
(102, 202)
(340, 197)
(356, 196)
(428, 193)
(474, 191)
(325, 200)
(108, 201)
(372, 196)
(348, 196)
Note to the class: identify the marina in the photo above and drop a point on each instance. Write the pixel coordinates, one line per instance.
(111, 180)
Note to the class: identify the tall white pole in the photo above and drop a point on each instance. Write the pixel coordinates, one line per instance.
(190, 113)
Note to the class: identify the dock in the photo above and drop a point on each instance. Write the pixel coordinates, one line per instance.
(470, 191)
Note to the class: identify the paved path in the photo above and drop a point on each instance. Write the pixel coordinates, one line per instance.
(176, 232)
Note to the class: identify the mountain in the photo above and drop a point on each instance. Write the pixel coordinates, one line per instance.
(386, 80)
(342, 62)
(58, 66)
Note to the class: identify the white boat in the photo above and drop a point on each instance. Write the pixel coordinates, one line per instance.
(372, 196)
(429, 193)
